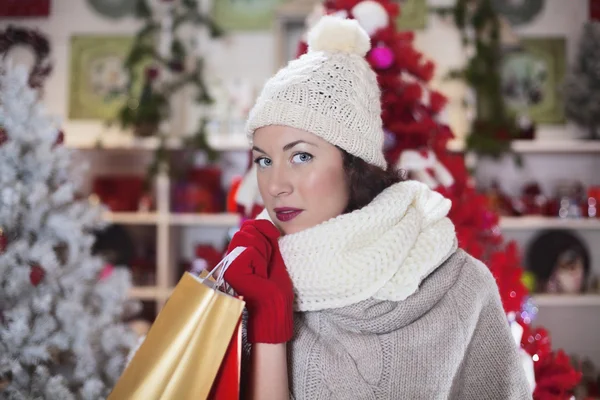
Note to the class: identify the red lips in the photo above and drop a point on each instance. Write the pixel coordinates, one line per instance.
(285, 214)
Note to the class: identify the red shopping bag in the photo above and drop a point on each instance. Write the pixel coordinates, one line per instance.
(227, 383)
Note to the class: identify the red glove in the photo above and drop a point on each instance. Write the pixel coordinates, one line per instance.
(259, 275)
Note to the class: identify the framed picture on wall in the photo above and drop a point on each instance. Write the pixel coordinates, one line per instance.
(520, 12)
(413, 15)
(531, 78)
(244, 15)
(98, 81)
(290, 26)
(24, 8)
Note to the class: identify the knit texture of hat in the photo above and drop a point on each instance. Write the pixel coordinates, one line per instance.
(331, 91)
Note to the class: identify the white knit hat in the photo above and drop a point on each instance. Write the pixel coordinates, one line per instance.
(331, 91)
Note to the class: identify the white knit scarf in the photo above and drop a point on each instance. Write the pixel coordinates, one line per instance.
(382, 251)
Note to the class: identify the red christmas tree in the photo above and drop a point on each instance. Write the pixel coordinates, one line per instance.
(416, 140)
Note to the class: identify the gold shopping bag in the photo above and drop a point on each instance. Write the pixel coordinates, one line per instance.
(181, 355)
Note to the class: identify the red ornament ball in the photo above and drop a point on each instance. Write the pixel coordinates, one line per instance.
(60, 138)
(3, 241)
(381, 57)
(3, 136)
(36, 274)
(152, 73)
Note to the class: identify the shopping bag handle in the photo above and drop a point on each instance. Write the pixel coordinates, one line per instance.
(223, 265)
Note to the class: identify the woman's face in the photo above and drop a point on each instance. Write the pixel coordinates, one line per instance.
(300, 177)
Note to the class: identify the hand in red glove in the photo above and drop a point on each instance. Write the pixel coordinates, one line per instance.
(259, 275)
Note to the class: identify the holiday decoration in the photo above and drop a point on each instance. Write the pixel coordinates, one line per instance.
(532, 74)
(3, 136)
(560, 262)
(24, 8)
(370, 15)
(519, 12)
(113, 9)
(36, 274)
(416, 140)
(381, 57)
(173, 67)
(60, 330)
(482, 33)
(37, 43)
(582, 85)
(3, 241)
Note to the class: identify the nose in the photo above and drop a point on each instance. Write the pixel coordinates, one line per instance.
(280, 183)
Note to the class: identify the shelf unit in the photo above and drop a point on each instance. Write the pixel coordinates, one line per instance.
(566, 300)
(165, 221)
(543, 146)
(218, 141)
(167, 224)
(540, 222)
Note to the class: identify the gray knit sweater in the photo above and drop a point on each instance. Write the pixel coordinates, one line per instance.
(449, 340)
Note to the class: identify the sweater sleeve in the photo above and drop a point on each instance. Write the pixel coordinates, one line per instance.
(491, 367)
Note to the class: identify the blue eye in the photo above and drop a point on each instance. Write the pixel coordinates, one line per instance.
(301, 158)
(263, 162)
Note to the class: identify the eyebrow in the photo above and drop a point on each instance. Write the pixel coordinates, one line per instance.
(286, 147)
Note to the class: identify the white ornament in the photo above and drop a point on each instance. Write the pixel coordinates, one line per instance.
(371, 16)
(526, 360)
(420, 164)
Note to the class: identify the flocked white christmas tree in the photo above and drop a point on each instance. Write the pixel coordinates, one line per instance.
(60, 330)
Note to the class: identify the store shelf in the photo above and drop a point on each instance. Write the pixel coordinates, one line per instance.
(556, 146)
(132, 218)
(539, 222)
(223, 219)
(146, 293)
(219, 142)
(543, 146)
(228, 142)
(566, 300)
(152, 218)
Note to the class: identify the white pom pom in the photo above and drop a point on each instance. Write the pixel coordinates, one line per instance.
(334, 34)
(371, 16)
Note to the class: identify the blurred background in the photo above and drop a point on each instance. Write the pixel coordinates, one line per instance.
(496, 103)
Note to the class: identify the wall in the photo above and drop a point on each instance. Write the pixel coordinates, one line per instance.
(251, 56)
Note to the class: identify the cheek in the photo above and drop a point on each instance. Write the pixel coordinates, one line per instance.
(327, 188)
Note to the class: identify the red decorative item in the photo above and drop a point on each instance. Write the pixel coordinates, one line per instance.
(60, 138)
(24, 8)
(3, 241)
(595, 10)
(3, 136)
(119, 193)
(200, 192)
(536, 341)
(36, 274)
(106, 272)
(506, 268)
(555, 377)
(208, 254)
(152, 73)
(232, 206)
(381, 57)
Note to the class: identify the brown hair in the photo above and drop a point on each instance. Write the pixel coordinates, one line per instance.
(366, 181)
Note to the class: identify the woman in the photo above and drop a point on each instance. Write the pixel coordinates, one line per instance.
(354, 285)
